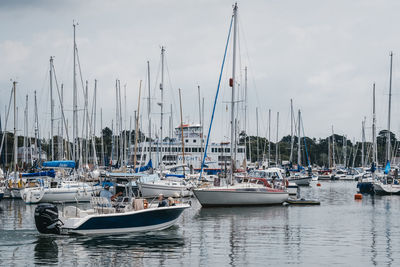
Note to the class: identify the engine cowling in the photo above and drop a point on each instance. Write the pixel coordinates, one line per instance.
(46, 219)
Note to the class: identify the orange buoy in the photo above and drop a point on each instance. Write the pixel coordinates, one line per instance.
(357, 196)
(318, 184)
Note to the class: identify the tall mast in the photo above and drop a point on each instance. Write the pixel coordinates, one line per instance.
(75, 105)
(374, 148)
(299, 142)
(233, 90)
(15, 131)
(162, 104)
(344, 150)
(149, 107)
(26, 130)
(245, 115)
(388, 156)
(277, 139)
(51, 109)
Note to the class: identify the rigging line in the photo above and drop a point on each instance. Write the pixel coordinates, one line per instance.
(5, 126)
(216, 98)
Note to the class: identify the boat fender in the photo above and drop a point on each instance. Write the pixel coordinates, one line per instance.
(145, 204)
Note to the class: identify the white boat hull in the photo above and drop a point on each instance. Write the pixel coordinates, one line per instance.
(386, 189)
(220, 197)
(152, 190)
(301, 181)
(51, 195)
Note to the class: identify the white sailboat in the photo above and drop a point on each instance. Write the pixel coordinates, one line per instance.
(234, 193)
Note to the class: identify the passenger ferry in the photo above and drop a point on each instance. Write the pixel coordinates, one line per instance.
(170, 150)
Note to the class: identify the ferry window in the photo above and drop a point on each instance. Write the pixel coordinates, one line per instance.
(227, 150)
(186, 141)
(194, 149)
(186, 149)
(179, 149)
(194, 140)
(219, 149)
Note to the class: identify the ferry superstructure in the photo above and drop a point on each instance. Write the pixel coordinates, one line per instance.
(218, 154)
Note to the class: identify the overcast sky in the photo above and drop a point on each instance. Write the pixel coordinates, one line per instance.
(325, 55)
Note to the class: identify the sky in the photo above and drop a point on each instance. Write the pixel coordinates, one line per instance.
(325, 55)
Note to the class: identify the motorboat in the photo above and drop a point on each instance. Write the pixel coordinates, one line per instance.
(60, 191)
(169, 187)
(300, 179)
(127, 215)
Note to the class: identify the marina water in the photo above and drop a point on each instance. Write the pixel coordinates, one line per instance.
(341, 231)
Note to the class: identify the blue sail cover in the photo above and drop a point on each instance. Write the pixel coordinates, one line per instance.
(50, 173)
(145, 168)
(387, 168)
(59, 164)
(175, 175)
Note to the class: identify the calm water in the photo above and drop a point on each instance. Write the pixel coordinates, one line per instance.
(341, 231)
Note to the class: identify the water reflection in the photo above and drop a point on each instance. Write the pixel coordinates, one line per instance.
(46, 250)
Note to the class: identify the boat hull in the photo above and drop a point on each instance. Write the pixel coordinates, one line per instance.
(216, 198)
(303, 181)
(152, 190)
(120, 223)
(65, 195)
(386, 189)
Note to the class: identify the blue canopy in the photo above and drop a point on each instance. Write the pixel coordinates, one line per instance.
(59, 164)
(145, 168)
(50, 173)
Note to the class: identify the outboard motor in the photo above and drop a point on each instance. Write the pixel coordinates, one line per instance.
(46, 219)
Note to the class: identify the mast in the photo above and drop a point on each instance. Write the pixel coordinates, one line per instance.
(362, 143)
(201, 125)
(233, 90)
(269, 137)
(257, 137)
(291, 131)
(149, 107)
(183, 143)
(299, 142)
(137, 128)
(75, 105)
(26, 131)
(162, 104)
(344, 151)
(374, 148)
(245, 115)
(15, 132)
(388, 155)
(62, 124)
(277, 140)
(333, 148)
(51, 109)
(102, 138)
(36, 130)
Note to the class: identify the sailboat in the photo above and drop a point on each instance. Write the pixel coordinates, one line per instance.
(389, 184)
(243, 192)
(300, 178)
